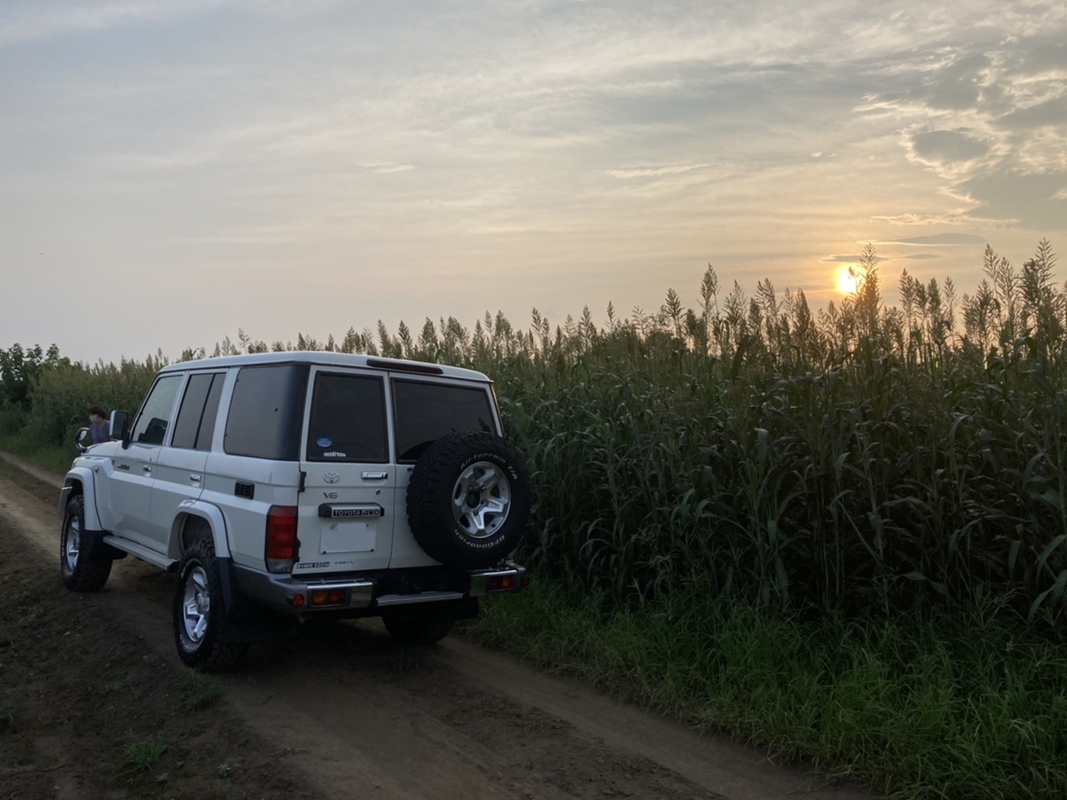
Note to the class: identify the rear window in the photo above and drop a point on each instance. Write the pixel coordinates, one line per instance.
(427, 411)
(348, 420)
(266, 412)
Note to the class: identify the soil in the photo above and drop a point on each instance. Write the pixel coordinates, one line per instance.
(90, 684)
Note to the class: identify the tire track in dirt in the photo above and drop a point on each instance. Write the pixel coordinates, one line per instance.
(361, 714)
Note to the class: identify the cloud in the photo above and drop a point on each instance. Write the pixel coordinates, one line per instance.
(1035, 199)
(940, 240)
(953, 218)
(388, 169)
(958, 85)
(846, 259)
(1044, 57)
(653, 172)
(989, 117)
(1050, 112)
(56, 19)
(921, 256)
(947, 146)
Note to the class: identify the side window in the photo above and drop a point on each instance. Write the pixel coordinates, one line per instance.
(348, 419)
(211, 413)
(427, 411)
(155, 417)
(193, 416)
(266, 412)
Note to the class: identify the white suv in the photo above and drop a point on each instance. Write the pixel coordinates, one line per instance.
(311, 484)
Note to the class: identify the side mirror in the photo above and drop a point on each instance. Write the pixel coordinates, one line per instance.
(82, 440)
(119, 425)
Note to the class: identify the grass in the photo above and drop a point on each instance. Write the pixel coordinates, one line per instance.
(140, 756)
(49, 457)
(923, 708)
(199, 690)
(33, 591)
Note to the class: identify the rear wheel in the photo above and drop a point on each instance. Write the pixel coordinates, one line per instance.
(419, 625)
(198, 613)
(83, 563)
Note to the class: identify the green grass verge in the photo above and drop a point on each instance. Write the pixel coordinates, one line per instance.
(53, 458)
(936, 708)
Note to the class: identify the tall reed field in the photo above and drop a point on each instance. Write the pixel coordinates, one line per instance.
(842, 531)
(863, 458)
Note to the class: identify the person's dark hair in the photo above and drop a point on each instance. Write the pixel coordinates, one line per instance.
(100, 411)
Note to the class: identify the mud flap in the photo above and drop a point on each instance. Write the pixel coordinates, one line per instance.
(240, 624)
(97, 546)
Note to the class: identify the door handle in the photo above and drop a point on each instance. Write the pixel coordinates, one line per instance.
(147, 470)
(374, 476)
(194, 478)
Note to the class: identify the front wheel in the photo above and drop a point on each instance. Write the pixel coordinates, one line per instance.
(82, 564)
(198, 613)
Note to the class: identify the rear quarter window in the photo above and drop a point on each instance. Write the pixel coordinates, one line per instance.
(427, 411)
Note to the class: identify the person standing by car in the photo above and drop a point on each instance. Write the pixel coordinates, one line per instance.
(99, 428)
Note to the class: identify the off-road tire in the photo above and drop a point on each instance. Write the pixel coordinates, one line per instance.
(419, 626)
(83, 561)
(475, 472)
(197, 613)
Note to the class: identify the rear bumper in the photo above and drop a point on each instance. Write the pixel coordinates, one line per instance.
(371, 593)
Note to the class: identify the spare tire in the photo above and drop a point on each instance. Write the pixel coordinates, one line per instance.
(469, 499)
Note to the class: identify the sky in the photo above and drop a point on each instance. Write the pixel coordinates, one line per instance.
(174, 171)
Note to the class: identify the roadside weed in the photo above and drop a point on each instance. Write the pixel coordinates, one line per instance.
(33, 591)
(199, 690)
(142, 755)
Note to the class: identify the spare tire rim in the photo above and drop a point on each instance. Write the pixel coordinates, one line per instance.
(196, 604)
(481, 499)
(72, 544)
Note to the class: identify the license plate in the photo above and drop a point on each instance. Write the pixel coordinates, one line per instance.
(348, 536)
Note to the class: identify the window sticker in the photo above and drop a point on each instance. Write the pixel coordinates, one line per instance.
(323, 441)
(335, 454)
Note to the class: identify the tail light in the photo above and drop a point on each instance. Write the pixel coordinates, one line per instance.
(282, 544)
(329, 597)
(501, 583)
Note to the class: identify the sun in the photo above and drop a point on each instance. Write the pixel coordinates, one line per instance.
(848, 280)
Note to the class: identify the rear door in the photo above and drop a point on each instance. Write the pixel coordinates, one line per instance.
(179, 467)
(347, 511)
(424, 410)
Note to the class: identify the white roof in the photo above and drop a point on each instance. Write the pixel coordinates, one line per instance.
(330, 359)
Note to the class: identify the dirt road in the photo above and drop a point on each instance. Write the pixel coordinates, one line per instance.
(357, 715)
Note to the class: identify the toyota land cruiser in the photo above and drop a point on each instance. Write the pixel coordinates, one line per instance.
(308, 485)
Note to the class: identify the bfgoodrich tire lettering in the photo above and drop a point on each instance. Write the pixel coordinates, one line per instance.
(198, 613)
(469, 500)
(83, 562)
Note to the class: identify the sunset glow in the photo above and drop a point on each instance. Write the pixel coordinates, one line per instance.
(848, 279)
(414, 161)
